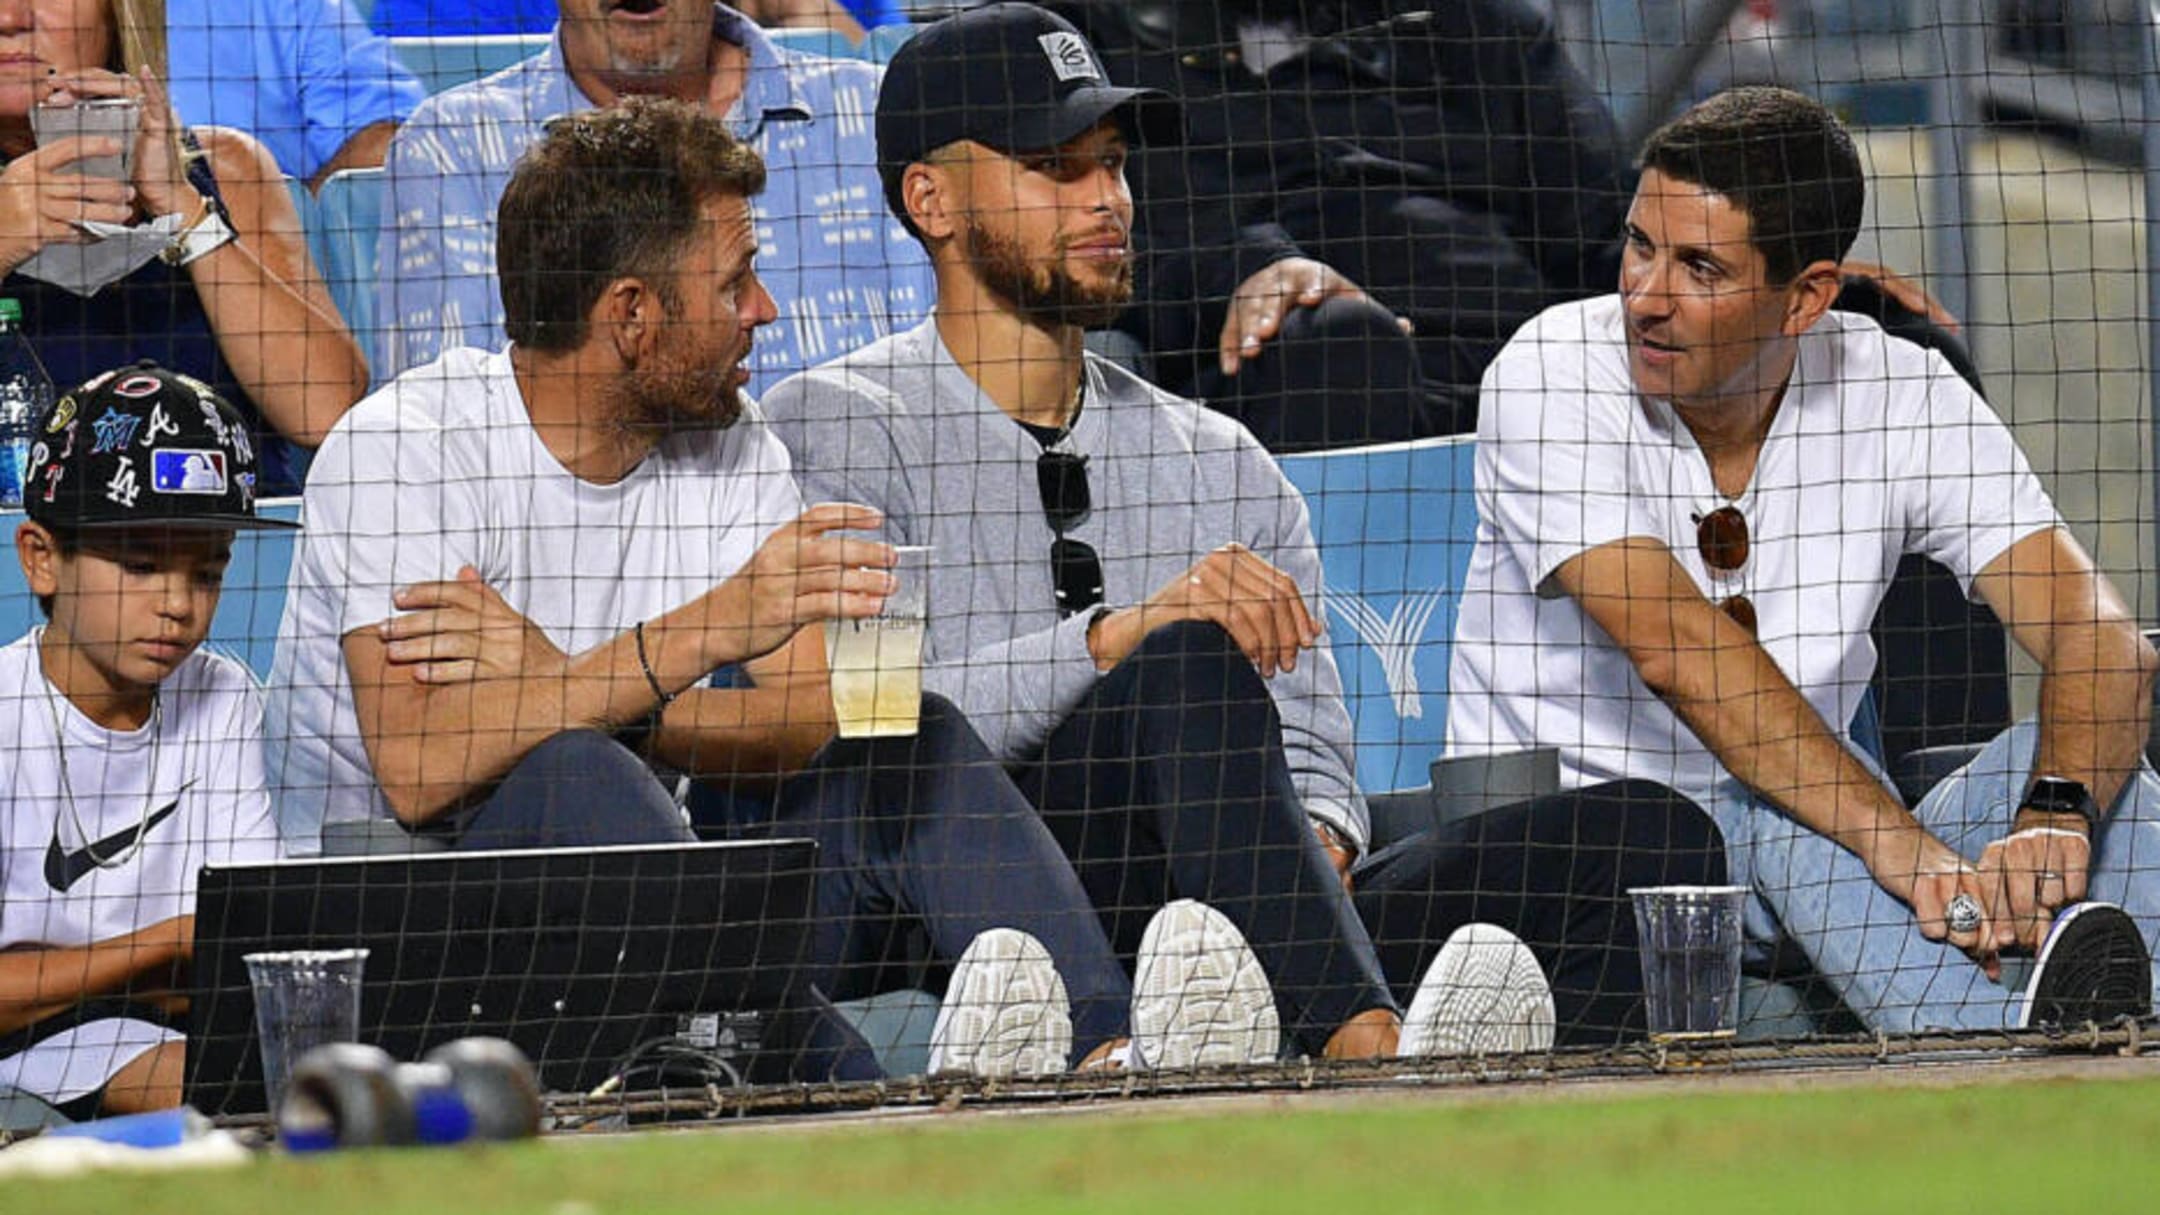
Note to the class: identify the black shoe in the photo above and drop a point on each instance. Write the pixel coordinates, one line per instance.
(2094, 967)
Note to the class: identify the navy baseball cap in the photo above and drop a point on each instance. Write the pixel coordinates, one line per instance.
(1013, 77)
(143, 446)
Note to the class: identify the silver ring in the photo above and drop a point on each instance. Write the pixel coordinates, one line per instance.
(2050, 875)
(1964, 914)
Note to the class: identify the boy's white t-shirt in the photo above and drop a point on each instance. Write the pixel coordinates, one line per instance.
(188, 786)
(441, 469)
(1878, 449)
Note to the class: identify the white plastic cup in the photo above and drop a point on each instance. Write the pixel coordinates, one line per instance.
(876, 663)
(303, 999)
(1690, 941)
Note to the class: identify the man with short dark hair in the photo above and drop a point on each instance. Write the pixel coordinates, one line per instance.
(1691, 497)
(526, 568)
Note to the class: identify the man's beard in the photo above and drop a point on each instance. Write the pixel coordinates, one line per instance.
(679, 391)
(1045, 294)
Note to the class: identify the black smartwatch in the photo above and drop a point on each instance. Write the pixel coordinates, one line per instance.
(2059, 795)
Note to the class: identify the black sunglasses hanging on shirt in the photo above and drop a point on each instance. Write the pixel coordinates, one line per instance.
(1075, 569)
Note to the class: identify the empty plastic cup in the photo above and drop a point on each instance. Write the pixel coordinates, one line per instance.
(303, 999)
(1690, 942)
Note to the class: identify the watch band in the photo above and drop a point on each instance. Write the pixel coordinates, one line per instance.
(2060, 795)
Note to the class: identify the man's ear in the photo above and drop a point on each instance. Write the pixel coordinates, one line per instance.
(931, 196)
(1811, 294)
(629, 316)
(39, 555)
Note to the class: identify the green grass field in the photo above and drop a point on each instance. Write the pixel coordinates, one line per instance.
(2079, 1146)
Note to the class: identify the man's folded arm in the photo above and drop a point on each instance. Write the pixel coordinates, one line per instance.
(433, 745)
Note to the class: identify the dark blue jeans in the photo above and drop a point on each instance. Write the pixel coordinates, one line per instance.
(1168, 782)
(921, 837)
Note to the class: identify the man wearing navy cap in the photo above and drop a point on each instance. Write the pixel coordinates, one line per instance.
(1125, 598)
(129, 757)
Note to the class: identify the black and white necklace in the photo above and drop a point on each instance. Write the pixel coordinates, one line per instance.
(67, 783)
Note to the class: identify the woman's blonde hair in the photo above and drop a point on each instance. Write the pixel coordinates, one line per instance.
(139, 42)
(139, 35)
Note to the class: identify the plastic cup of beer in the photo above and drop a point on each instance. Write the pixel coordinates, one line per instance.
(877, 661)
(1690, 942)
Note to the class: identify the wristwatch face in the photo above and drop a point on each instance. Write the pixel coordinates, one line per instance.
(2056, 795)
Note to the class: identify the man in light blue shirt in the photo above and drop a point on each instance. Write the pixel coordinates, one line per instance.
(844, 271)
(305, 78)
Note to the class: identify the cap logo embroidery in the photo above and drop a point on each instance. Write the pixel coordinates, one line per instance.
(160, 424)
(1069, 56)
(136, 387)
(114, 430)
(187, 471)
(123, 488)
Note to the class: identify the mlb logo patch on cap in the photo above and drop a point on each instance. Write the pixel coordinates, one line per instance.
(187, 471)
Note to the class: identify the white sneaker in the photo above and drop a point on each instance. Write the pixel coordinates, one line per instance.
(1005, 1012)
(1199, 995)
(1483, 995)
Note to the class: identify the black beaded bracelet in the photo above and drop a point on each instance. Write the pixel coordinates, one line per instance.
(666, 697)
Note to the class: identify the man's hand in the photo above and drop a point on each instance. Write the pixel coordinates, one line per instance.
(1257, 604)
(2032, 873)
(1925, 873)
(1911, 295)
(804, 575)
(1339, 853)
(463, 631)
(1258, 306)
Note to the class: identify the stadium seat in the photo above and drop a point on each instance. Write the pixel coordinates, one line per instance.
(303, 201)
(1395, 525)
(446, 62)
(345, 240)
(886, 39)
(816, 40)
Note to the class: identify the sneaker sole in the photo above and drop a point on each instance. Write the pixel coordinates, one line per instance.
(2094, 967)
(1199, 996)
(1005, 1012)
(1483, 995)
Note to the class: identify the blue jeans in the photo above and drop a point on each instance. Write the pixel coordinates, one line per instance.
(1867, 945)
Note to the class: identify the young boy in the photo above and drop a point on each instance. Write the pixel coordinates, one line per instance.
(129, 758)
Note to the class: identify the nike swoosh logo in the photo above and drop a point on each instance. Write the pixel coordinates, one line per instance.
(63, 869)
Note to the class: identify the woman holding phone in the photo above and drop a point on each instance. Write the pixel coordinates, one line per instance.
(227, 294)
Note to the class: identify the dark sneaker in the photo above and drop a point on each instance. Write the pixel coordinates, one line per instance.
(2094, 967)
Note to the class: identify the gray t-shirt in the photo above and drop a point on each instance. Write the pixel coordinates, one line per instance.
(899, 426)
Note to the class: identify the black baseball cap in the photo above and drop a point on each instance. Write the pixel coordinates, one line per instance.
(143, 446)
(1013, 77)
